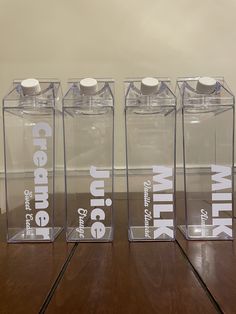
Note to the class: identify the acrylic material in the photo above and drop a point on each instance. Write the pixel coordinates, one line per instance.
(207, 114)
(88, 144)
(29, 115)
(150, 115)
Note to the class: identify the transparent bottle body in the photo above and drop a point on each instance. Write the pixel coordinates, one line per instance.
(29, 153)
(150, 148)
(88, 144)
(29, 174)
(208, 150)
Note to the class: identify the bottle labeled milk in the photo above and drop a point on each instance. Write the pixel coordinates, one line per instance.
(150, 114)
(207, 118)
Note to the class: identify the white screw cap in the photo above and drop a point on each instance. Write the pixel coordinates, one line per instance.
(30, 87)
(149, 85)
(206, 85)
(88, 86)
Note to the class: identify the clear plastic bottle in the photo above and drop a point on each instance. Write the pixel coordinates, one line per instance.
(88, 115)
(207, 111)
(29, 115)
(150, 115)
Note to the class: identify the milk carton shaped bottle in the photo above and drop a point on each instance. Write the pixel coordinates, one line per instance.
(29, 113)
(207, 110)
(88, 113)
(150, 115)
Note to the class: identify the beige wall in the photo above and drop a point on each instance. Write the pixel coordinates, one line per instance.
(111, 38)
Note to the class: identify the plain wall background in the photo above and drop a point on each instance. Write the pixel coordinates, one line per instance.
(111, 38)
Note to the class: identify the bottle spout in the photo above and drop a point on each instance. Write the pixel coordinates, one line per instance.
(88, 86)
(206, 85)
(149, 85)
(30, 87)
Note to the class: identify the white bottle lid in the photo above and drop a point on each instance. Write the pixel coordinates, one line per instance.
(30, 87)
(206, 85)
(149, 85)
(88, 86)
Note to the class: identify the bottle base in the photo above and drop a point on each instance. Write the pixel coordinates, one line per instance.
(74, 236)
(16, 235)
(199, 232)
(141, 233)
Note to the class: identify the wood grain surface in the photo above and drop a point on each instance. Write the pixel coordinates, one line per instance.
(128, 277)
(215, 262)
(119, 277)
(28, 271)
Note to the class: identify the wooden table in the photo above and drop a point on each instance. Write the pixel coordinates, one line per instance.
(29, 271)
(119, 277)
